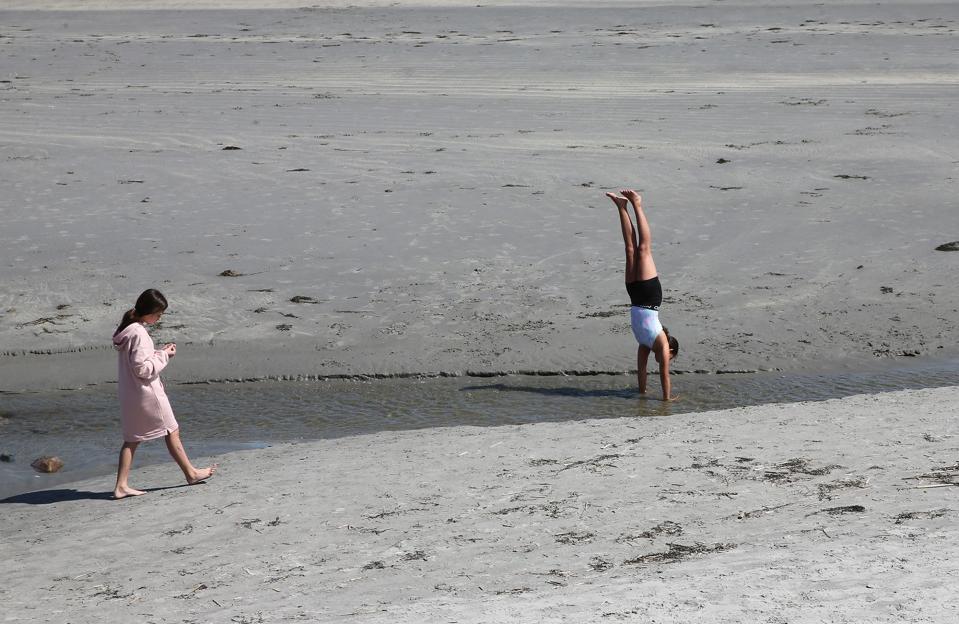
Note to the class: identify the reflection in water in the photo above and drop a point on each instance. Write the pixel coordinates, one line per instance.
(567, 391)
(641, 406)
(82, 426)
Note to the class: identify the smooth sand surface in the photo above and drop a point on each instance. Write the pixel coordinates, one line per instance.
(419, 187)
(835, 511)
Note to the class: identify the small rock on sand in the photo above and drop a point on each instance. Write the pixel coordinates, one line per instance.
(953, 246)
(47, 464)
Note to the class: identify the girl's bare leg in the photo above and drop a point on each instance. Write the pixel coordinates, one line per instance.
(123, 489)
(645, 267)
(193, 475)
(629, 235)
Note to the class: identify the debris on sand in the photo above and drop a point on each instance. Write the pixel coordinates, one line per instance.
(47, 464)
(921, 515)
(838, 511)
(677, 552)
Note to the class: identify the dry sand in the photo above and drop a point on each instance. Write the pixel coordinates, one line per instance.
(428, 179)
(800, 513)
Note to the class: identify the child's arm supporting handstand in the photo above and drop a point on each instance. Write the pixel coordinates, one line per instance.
(662, 347)
(642, 356)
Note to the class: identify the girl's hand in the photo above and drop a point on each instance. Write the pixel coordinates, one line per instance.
(170, 349)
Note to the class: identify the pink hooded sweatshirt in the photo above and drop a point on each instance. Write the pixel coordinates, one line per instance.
(145, 411)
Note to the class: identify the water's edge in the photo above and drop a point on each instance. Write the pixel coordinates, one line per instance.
(81, 426)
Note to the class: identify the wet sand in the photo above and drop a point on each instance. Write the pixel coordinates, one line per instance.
(419, 188)
(840, 511)
(81, 426)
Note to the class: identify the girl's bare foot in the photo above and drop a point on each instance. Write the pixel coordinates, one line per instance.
(632, 196)
(202, 475)
(123, 492)
(619, 201)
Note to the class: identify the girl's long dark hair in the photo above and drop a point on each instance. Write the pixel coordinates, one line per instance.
(673, 343)
(149, 302)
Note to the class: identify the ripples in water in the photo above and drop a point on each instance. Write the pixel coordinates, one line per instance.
(82, 426)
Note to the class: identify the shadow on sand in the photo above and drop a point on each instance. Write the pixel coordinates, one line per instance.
(48, 497)
(645, 405)
(577, 393)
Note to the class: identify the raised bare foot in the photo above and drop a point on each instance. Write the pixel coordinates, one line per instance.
(620, 202)
(632, 196)
(123, 492)
(202, 474)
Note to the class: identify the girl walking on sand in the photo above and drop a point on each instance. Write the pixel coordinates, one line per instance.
(645, 293)
(145, 411)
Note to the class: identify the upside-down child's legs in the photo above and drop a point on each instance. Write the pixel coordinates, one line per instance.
(629, 235)
(645, 267)
(193, 475)
(122, 488)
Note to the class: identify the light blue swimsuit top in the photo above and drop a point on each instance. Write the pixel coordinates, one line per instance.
(646, 325)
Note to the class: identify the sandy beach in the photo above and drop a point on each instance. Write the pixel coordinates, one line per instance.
(410, 189)
(418, 188)
(835, 511)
